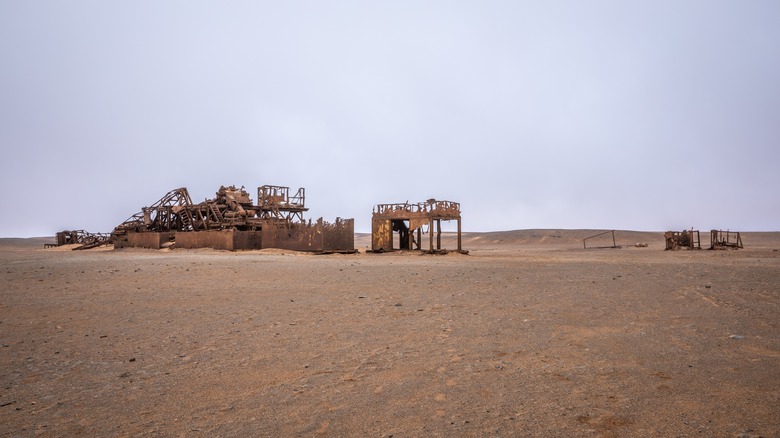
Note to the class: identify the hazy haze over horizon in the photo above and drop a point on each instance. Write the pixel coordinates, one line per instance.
(604, 114)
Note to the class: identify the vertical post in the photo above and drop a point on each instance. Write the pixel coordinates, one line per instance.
(419, 236)
(438, 233)
(614, 245)
(430, 232)
(459, 248)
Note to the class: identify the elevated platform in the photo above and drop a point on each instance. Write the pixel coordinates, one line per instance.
(408, 220)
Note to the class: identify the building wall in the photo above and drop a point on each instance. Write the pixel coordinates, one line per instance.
(229, 240)
(144, 240)
(319, 236)
(339, 236)
(381, 234)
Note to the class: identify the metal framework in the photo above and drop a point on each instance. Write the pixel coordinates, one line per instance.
(725, 239)
(409, 220)
(614, 244)
(277, 219)
(689, 239)
(276, 203)
(84, 238)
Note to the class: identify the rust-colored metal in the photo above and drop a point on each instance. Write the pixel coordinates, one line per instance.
(720, 239)
(85, 239)
(614, 244)
(409, 222)
(231, 221)
(676, 240)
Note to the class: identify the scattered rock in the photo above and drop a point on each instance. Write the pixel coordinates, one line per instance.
(736, 337)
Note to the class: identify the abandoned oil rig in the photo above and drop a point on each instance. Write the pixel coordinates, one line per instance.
(230, 221)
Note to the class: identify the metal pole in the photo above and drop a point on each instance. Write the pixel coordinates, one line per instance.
(438, 234)
(430, 232)
(459, 248)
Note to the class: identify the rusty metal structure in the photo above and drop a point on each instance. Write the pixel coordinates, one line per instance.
(597, 246)
(231, 221)
(84, 239)
(676, 240)
(720, 239)
(409, 221)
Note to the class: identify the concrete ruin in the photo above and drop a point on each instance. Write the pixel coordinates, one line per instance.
(231, 221)
(407, 221)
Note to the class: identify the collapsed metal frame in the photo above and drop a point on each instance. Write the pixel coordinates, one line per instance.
(720, 239)
(84, 238)
(614, 244)
(689, 239)
(232, 221)
(232, 208)
(388, 219)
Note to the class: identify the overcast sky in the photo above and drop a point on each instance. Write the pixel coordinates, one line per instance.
(651, 115)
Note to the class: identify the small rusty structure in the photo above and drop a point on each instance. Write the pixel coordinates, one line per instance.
(84, 239)
(720, 239)
(676, 240)
(408, 221)
(228, 221)
(614, 244)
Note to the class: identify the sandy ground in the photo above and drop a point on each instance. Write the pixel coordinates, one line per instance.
(528, 335)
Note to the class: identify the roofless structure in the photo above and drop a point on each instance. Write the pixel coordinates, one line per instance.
(409, 222)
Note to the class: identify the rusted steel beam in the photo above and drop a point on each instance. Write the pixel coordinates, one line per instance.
(614, 243)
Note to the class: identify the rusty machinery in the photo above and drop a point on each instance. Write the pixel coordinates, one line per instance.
(689, 239)
(231, 208)
(278, 214)
(275, 221)
(84, 239)
(409, 220)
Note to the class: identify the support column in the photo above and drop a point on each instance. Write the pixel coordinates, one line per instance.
(430, 232)
(419, 236)
(438, 234)
(459, 248)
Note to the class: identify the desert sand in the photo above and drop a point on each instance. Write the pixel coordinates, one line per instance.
(528, 335)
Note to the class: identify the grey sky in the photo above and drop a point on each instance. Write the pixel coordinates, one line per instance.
(564, 114)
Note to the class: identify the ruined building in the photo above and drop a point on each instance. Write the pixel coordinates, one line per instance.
(407, 221)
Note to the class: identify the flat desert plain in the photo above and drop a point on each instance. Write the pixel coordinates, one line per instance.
(528, 335)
